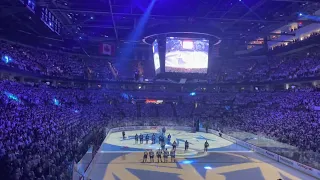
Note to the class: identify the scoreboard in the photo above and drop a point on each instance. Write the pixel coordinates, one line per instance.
(47, 17)
(50, 20)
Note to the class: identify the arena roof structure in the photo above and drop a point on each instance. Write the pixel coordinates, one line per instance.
(234, 21)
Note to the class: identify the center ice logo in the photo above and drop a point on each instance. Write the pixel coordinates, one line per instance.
(189, 169)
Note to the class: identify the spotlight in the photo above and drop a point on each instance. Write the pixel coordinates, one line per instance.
(56, 102)
(192, 94)
(187, 162)
(300, 14)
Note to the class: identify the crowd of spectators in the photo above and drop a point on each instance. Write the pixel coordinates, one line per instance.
(292, 118)
(295, 66)
(58, 64)
(53, 63)
(43, 130)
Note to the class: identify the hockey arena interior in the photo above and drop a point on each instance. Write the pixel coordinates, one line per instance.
(160, 90)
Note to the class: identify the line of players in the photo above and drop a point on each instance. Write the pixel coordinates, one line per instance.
(163, 149)
(153, 139)
(161, 141)
(165, 153)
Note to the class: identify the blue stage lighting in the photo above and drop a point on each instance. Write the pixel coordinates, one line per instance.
(11, 96)
(136, 34)
(56, 102)
(6, 59)
(125, 96)
(187, 162)
(300, 14)
(192, 94)
(208, 167)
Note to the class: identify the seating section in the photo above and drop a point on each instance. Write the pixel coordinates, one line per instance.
(299, 65)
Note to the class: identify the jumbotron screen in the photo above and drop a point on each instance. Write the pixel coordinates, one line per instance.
(156, 58)
(186, 55)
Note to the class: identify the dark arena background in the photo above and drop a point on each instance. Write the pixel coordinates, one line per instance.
(159, 89)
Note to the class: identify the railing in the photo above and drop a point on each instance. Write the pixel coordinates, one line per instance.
(96, 138)
(277, 156)
(309, 158)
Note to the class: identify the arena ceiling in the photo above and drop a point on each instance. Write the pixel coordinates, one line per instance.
(233, 21)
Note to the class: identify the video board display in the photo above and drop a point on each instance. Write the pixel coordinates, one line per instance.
(186, 55)
(156, 58)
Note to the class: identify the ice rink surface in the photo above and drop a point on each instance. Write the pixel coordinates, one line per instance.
(120, 158)
(187, 59)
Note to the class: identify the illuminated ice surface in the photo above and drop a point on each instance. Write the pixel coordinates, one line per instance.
(122, 159)
(187, 59)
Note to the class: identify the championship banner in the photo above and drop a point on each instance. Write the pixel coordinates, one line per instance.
(107, 49)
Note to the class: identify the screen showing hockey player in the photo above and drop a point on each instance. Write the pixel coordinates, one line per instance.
(186, 55)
